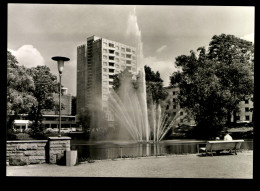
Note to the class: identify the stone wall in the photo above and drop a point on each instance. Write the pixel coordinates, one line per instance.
(26, 152)
(56, 149)
(37, 151)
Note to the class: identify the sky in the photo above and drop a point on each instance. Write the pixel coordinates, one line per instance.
(37, 32)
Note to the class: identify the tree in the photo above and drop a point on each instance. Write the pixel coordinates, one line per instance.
(213, 83)
(45, 86)
(85, 120)
(20, 88)
(154, 86)
(236, 67)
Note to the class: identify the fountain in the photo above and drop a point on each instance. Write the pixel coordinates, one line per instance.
(129, 105)
(145, 124)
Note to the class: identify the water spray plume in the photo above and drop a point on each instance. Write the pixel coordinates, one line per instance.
(129, 105)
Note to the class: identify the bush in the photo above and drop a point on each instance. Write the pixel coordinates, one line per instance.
(23, 136)
(10, 135)
(37, 131)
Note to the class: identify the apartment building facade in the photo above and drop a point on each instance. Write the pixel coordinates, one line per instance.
(171, 107)
(245, 115)
(246, 111)
(97, 62)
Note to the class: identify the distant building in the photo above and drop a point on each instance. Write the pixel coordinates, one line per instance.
(66, 100)
(171, 106)
(246, 111)
(51, 118)
(97, 62)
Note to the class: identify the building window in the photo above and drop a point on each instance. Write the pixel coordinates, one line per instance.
(104, 82)
(111, 51)
(111, 45)
(128, 50)
(167, 107)
(117, 53)
(107, 116)
(104, 44)
(105, 76)
(247, 118)
(174, 106)
(123, 49)
(133, 57)
(128, 56)
(181, 113)
(247, 109)
(104, 69)
(104, 63)
(123, 55)
(111, 64)
(128, 61)
(111, 70)
(117, 47)
(117, 60)
(111, 57)
(105, 97)
(133, 51)
(105, 89)
(174, 113)
(122, 67)
(246, 101)
(117, 66)
(173, 93)
(174, 100)
(128, 67)
(110, 83)
(104, 57)
(111, 76)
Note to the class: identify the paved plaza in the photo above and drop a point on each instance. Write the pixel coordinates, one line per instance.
(172, 166)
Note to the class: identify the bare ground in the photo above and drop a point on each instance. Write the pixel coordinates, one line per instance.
(172, 166)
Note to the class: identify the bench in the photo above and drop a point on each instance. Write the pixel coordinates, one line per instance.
(217, 146)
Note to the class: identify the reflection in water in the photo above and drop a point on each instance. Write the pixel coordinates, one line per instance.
(101, 151)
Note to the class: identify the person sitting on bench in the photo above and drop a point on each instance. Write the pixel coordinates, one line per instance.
(227, 137)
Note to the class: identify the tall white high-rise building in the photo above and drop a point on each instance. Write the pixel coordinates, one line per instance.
(97, 61)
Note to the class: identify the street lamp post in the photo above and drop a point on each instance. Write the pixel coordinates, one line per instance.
(60, 60)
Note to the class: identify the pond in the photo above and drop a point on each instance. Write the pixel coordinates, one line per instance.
(100, 150)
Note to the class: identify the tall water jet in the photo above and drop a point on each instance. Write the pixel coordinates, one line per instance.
(129, 103)
(133, 31)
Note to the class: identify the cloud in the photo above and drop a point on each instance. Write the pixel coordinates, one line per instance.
(28, 56)
(161, 49)
(249, 37)
(165, 68)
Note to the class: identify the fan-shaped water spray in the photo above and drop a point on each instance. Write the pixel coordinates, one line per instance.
(129, 106)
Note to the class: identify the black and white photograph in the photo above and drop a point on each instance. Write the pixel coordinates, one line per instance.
(130, 91)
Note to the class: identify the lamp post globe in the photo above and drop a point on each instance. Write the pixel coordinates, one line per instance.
(60, 62)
